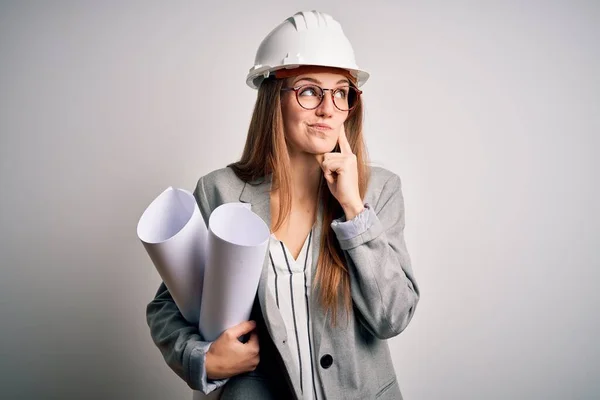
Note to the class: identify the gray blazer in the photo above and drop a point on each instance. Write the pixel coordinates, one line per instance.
(353, 357)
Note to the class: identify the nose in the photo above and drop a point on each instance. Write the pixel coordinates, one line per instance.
(326, 108)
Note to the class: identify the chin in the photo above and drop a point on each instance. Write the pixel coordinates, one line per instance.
(322, 145)
(320, 148)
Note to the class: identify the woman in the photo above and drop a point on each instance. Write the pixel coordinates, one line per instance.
(337, 279)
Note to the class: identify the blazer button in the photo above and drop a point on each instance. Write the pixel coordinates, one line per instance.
(326, 361)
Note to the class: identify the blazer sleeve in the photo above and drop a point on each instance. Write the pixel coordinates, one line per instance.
(383, 286)
(179, 342)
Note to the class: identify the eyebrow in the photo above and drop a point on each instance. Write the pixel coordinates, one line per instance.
(319, 82)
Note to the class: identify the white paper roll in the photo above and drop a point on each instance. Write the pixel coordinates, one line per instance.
(238, 241)
(175, 235)
(213, 273)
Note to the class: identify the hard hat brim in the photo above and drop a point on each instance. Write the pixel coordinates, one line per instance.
(256, 76)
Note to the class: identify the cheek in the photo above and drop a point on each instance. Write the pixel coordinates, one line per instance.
(295, 120)
(343, 118)
(292, 113)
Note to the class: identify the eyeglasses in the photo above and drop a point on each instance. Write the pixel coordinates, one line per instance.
(311, 96)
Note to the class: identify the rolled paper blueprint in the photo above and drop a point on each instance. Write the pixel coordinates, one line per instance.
(229, 257)
(237, 244)
(174, 234)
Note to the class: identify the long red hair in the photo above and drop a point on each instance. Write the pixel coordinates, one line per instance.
(266, 152)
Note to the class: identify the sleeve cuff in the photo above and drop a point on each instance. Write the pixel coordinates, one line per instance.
(197, 378)
(345, 230)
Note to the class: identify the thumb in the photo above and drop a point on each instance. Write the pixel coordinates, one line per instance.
(242, 328)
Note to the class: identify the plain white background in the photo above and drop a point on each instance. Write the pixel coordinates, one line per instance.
(489, 112)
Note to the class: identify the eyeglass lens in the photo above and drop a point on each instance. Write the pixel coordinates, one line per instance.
(310, 97)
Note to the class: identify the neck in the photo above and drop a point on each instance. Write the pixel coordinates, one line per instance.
(306, 174)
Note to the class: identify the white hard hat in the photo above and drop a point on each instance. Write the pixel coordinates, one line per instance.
(307, 38)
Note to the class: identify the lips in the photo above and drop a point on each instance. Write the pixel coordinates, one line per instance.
(320, 126)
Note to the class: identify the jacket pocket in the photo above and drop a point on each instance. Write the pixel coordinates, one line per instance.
(389, 391)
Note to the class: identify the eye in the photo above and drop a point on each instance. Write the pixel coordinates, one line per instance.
(341, 93)
(308, 91)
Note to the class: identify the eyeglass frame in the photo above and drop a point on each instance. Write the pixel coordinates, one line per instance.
(297, 88)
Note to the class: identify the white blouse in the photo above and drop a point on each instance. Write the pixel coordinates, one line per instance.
(289, 281)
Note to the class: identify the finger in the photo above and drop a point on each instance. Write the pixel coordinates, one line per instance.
(252, 343)
(333, 156)
(319, 158)
(329, 178)
(343, 142)
(241, 329)
(334, 165)
(328, 172)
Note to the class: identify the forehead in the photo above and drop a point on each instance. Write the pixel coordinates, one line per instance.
(321, 78)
